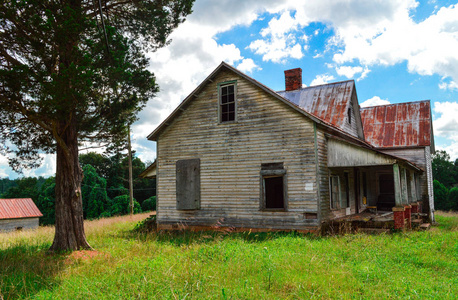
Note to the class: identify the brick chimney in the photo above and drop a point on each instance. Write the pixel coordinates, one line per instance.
(293, 79)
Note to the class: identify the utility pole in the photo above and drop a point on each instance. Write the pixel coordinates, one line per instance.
(131, 189)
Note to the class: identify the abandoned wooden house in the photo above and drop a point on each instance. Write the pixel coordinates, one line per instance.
(237, 154)
(18, 214)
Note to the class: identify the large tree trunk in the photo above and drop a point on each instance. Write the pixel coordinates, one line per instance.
(69, 205)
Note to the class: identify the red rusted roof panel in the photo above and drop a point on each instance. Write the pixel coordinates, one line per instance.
(398, 125)
(328, 102)
(18, 208)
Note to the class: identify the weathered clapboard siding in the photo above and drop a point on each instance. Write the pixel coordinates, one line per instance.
(18, 224)
(323, 173)
(231, 155)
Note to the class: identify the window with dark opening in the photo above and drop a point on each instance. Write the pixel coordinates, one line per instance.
(227, 103)
(273, 186)
(274, 193)
(349, 115)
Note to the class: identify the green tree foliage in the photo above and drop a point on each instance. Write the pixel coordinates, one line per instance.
(143, 188)
(443, 168)
(101, 163)
(120, 205)
(149, 204)
(445, 174)
(440, 196)
(94, 193)
(115, 170)
(47, 201)
(70, 72)
(452, 199)
(26, 187)
(5, 185)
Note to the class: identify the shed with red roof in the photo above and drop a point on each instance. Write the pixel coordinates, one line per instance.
(18, 214)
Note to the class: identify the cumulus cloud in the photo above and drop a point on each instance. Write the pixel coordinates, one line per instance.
(428, 47)
(374, 101)
(452, 85)
(280, 41)
(348, 71)
(322, 79)
(248, 66)
(47, 168)
(446, 125)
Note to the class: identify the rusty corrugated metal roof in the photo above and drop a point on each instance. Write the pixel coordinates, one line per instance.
(329, 102)
(18, 208)
(398, 125)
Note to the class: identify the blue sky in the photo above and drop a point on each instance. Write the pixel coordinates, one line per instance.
(395, 50)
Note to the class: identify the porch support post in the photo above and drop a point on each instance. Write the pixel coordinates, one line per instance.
(397, 185)
(398, 216)
(413, 194)
(405, 196)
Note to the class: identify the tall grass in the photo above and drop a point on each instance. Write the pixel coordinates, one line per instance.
(216, 265)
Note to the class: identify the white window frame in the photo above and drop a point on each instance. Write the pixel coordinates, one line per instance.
(220, 104)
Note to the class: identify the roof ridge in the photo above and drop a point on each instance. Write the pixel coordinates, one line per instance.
(393, 104)
(318, 85)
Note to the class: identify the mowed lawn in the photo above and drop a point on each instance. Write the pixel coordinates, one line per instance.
(219, 265)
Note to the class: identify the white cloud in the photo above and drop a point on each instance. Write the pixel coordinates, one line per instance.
(322, 79)
(428, 47)
(280, 41)
(446, 125)
(452, 85)
(348, 71)
(3, 166)
(452, 150)
(374, 101)
(248, 66)
(364, 74)
(47, 168)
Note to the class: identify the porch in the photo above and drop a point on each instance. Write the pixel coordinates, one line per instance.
(374, 221)
(370, 189)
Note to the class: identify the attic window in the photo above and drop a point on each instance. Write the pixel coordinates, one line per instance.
(349, 115)
(227, 103)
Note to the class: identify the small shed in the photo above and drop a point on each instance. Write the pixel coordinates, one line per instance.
(18, 214)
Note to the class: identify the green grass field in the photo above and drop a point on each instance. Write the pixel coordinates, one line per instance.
(217, 265)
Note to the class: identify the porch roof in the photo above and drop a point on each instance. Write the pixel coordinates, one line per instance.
(342, 153)
(149, 172)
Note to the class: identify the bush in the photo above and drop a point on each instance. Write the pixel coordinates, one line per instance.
(121, 206)
(452, 199)
(149, 204)
(440, 196)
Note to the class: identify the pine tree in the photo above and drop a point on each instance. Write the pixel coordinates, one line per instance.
(73, 71)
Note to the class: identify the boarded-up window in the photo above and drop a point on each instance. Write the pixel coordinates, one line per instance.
(188, 184)
(335, 191)
(273, 186)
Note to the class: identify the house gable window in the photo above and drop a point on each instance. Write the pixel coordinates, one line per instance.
(273, 185)
(227, 101)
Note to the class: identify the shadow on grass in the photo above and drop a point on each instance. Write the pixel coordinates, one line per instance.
(26, 270)
(186, 237)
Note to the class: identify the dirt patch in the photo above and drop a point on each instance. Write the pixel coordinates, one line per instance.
(85, 255)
